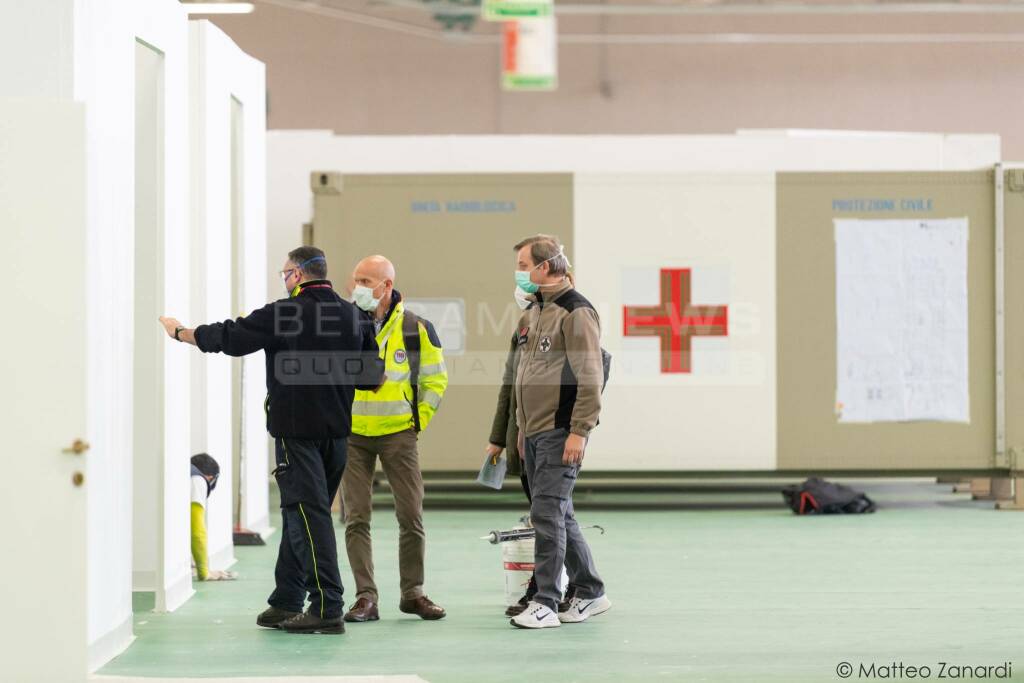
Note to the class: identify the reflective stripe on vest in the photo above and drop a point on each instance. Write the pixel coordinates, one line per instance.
(378, 408)
(431, 399)
(432, 369)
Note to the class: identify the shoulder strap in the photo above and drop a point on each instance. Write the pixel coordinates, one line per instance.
(411, 337)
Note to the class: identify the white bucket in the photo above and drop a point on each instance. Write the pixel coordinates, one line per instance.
(517, 559)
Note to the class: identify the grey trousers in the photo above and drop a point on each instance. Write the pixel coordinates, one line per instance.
(559, 539)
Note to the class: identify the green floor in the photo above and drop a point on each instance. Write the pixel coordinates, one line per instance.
(744, 595)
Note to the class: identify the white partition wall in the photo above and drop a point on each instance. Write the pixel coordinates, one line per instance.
(162, 28)
(250, 197)
(148, 428)
(108, 37)
(44, 495)
(229, 253)
(87, 52)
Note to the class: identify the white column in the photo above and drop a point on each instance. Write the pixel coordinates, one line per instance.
(228, 93)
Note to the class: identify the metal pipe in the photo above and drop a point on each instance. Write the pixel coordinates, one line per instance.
(1000, 286)
(357, 18)
(745, 9)
(789, 38)
(656, 38)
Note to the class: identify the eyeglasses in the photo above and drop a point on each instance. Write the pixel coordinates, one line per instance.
(284, 273)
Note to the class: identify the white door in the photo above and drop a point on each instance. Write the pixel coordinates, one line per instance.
(43, 366)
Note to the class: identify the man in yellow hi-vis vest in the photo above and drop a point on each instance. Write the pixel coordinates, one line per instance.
(385, 423)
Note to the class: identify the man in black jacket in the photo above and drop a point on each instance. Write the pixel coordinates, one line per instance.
(318, 349)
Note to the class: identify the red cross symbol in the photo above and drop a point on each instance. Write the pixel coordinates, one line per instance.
(675, 321)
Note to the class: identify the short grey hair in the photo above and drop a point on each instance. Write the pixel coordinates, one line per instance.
(546, 248)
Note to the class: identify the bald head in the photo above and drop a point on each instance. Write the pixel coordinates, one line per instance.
(372, 270)
(376, 274)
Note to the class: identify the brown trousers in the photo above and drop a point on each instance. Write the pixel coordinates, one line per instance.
(400, 461)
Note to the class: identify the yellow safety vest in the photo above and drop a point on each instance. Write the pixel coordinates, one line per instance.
(389, 409)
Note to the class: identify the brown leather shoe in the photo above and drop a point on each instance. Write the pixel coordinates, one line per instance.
(364, 609)
(423, 607)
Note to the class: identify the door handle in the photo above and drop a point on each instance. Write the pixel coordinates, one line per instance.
(78, 447)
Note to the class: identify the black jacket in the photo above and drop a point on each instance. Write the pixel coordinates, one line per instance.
(504, 431)
(319, 350)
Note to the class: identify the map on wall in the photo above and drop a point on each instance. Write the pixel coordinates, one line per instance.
(901, 312)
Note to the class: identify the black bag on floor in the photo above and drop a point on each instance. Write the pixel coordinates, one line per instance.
(819, 497)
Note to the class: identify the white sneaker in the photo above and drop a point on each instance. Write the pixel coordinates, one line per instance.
(536, 615)
(581, 609)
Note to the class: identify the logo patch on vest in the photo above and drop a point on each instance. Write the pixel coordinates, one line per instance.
(400, 356)
(545, 344)
(524, 335)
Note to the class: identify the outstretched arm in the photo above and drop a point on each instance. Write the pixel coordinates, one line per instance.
(172, 326)
(238, 337)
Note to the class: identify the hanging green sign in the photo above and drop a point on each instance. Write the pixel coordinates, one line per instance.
(506, 10)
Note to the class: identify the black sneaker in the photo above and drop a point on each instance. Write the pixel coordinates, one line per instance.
(517, 609)
(311, 623)
(274, 617)
(570, 593)
(531, 590)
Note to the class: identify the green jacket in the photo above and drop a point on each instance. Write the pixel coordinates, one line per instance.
(504, 432)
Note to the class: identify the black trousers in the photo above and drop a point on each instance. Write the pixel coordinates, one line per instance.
(308, 474)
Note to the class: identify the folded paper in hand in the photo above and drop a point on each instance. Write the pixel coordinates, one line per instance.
(492, 473)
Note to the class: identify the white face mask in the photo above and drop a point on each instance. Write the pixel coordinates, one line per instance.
(363, 298)
(522, 298)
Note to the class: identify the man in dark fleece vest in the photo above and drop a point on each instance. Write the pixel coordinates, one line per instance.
(319, 349)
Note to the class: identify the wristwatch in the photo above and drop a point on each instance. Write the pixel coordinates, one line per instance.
(177, 331)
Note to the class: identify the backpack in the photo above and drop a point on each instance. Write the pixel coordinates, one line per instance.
(411, 337)
(819, 497)
(606, 366)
